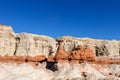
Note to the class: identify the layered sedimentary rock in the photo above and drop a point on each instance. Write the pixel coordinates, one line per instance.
(64, 48)
(7, 40)
(25, 44)
(34, 45)
(65, 58)
(99, 47)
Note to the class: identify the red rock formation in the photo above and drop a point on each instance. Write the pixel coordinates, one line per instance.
(50, 59)
(22, 59)
(61, 54)
(82, 53)
(89, 54)
(78, 53)
(107, 60)
(12, 59)
(36, 58)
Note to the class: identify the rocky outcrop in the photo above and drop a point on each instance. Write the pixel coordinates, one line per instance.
(34, 45)
(64, 48)
(25, 44)
(99, 47)
(79, 53)
(65, 58)
(7, 40)
(82, 53)
(61, 54)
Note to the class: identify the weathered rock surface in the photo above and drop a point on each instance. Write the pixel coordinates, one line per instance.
(25, 44)
(34, 45)
(99, 47)
(61, 54)
(32, 48)
(82, 53)
(7, 40)
(65, 58)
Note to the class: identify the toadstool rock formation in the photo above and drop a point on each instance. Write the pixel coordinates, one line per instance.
(61, 54)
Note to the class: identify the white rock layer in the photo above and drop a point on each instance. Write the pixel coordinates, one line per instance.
(34, 45)
(7, 40)
(25, 44)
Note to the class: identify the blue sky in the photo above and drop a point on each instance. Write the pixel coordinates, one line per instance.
(80, 18)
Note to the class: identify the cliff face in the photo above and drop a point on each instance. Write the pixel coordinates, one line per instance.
(25, 44)
(34, 45)
(64, 58)
(99, 47)
(7, 40)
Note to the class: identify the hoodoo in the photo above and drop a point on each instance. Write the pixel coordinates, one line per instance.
(61, 54)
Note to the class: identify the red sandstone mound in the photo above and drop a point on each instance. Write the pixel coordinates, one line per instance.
(82, 53)
(61, 54)
(89, 54)
(78, 53)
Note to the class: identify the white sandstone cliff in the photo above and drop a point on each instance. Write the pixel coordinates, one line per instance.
(25, 44)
